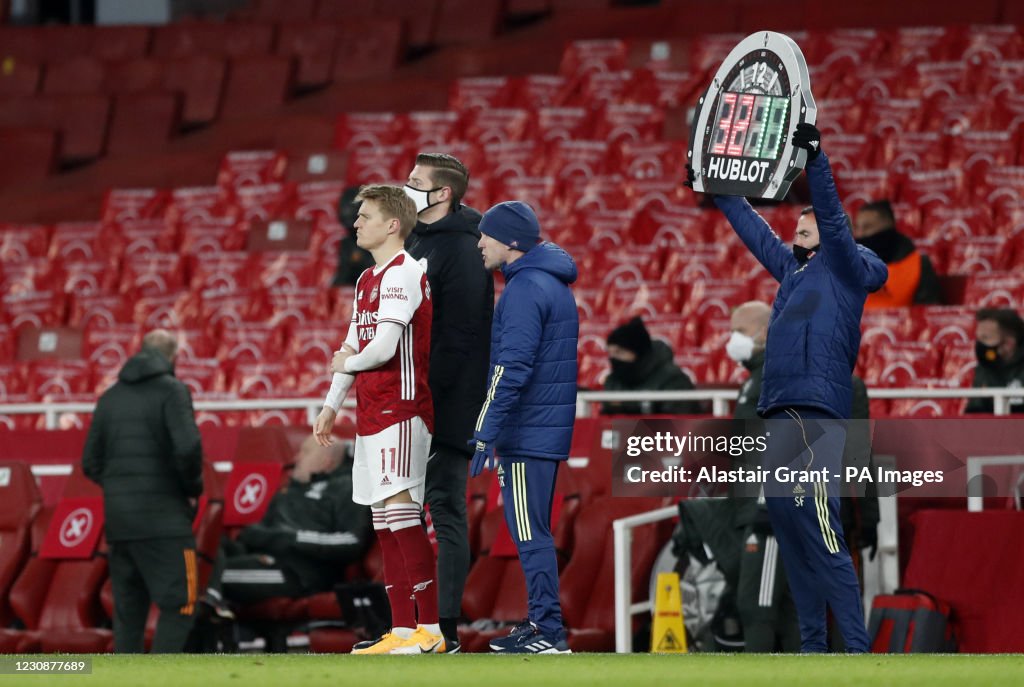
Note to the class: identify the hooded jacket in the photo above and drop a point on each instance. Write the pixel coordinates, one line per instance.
(814, 330)
(654, 371)
(531, 400)
(462, 291)
(144, 450)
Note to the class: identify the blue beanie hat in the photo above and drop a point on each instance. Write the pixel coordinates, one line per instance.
(514, 223)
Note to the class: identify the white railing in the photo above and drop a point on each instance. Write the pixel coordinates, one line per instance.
(625, 609)
(720, 400)
(975, 467)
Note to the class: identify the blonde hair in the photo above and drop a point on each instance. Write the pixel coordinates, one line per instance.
(393, 203)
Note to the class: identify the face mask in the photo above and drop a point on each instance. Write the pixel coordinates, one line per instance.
(802, 254)
(739, 347)
(420, 197)
(627, 372)
(987, 355)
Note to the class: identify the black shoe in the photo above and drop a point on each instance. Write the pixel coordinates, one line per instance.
(217, 610)
(452, 646)
(510, 640)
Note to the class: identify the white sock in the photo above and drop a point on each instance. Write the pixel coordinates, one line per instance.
(403, 632)
(434, 629)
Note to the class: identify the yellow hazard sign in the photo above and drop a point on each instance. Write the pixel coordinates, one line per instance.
(667, 633)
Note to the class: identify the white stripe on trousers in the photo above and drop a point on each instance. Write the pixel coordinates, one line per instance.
(768, 567)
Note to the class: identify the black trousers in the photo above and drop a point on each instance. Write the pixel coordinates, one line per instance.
(153, 571)
(447, 472)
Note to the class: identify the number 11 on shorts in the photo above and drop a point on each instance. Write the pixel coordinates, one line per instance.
(382, 459)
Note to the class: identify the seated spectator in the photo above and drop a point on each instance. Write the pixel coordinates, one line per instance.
(352, 260)
(998, 344)
(912, 279)
(312, 530)
(639, 363)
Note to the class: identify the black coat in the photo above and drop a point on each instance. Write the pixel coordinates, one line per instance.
(313, 529)
(655, 371)
(462, 291)
(144, 451)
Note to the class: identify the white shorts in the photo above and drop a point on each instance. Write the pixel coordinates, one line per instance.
(390, 462)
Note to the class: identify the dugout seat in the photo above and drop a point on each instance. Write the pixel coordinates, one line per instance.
(587, 588)
(20, 503)
(57, 600)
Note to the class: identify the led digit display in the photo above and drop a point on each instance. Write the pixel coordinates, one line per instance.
(740, 141)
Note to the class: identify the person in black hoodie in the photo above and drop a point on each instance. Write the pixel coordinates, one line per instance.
(144, 451)
(462, 291)
(352, 260)
(912, 279)
(642, 364)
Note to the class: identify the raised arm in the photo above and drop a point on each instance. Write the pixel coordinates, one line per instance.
(759, 238)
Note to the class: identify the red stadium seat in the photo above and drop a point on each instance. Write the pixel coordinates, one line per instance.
(218, 235)
(601, 88)
(428, 130)
(20, 242)
(994, 290)
(367, 130)
(916, 44)
(284, 10)
(152, 274)
(200, 80)
(55, 381)
(583, 57)
(34, 308)
(143, 122)
(587, 587)
(261, 380)
(20, 78)
(958, 363)
(538, 90)
(207, 38)
(563, 124)
(201, 374)
(368, 48)
(251, 342)
(141, 75)
(94, 276)
(195, 343)
(910, 151)
(220, 272)
(901, 364)
(976, 151)
(285, 271)
(123, 204)
(201, 203)
(257, 85)
(20, 502)
(77, 76)
(377, 166)
(467, 21)
(211, 308)
(266, 202)
(111, 346)
(860, 186)
(164, 311)
(112, 43)
(312, 47)
(629, 123)
(92, 310)
(240, 169)
(29, 154)
(479, 93)
(983, 254)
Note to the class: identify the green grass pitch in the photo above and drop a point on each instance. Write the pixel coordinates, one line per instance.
(578, 670)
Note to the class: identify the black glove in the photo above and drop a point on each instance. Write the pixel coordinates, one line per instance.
(808, 137)
(869, 540)
(690, 176)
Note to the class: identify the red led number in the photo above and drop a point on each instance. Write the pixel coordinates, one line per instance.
(740, 124)
(724, 123)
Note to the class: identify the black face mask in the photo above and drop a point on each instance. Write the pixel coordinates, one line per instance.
(627, 372)
(987, 355)
(802, 254)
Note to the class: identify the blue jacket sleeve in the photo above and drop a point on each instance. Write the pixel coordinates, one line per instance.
(845, 260)
(764, 243)
(521, 329)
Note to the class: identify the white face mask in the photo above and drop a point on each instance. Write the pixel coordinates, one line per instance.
(420, 197)
(739, 347)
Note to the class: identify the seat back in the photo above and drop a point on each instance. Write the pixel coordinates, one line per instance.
(20, 502)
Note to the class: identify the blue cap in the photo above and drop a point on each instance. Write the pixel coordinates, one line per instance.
(514, 223)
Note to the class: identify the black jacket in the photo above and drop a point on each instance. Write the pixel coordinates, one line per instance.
(314, 529)
(144, 451)
(462, 292)
(1000, 374)
(893, 246)
(655, 371)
